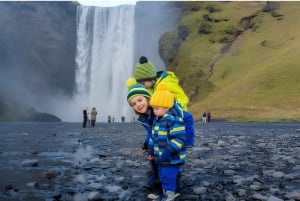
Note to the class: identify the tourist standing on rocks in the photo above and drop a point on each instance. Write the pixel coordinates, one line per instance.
(167, 142)
(123, 119)
(145, 73)
(85, 118)
(208, 117)
(138, 98)
(204, 118)
(93, 116)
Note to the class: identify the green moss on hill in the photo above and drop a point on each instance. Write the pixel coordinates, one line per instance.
(238, 60)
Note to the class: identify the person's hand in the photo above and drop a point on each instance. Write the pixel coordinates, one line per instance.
(144, 147)
(151, 157)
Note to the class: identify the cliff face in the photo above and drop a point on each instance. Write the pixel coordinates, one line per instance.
(40, 38)
(37, 51)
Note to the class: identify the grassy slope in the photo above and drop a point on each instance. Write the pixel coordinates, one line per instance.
(250, 81)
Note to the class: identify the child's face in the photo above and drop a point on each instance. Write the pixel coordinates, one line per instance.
(160, 111)
(140, 104)
(147, 84)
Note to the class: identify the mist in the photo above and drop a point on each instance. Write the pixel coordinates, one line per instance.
(152, 20)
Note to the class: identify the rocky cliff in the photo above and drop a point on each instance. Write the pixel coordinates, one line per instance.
(37, 51)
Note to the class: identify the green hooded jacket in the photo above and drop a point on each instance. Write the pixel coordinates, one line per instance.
(173, 86)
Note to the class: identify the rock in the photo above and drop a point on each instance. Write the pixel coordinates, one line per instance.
(30, 163)
(200, 190)
(33, 184)
(273, 198)
(34, 153)
(241, 192)
(259, 197)
(274, 191)
(94, 196)
(56, 196)
(8, 187)
(278, 174)
(256, 187)
(229, 197)
(50, 174)
(229, 172)
(293, 195)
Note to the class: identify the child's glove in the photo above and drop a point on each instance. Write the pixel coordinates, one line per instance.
(144, 147)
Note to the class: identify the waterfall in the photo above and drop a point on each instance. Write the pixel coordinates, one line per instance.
(105, 54)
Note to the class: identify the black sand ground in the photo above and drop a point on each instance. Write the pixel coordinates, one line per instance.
(63, 161)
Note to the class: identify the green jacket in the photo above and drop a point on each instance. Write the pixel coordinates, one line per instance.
(173, 86)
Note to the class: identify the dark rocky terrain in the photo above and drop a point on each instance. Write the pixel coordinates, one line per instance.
(63, 161)
(37, 53)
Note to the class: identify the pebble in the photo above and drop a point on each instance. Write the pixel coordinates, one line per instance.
(29, 163)
(273, 198)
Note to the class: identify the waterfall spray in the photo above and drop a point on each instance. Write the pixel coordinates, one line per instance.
(105, 54)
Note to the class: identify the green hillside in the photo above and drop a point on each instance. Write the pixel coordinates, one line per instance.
(238, 60)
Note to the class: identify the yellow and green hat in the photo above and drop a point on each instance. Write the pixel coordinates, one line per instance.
(135, 89)
(144, 70)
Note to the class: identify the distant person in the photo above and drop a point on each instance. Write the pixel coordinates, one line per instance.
(145, 73)
(204, 117)
(113, 119)
(108, 119)
(123, 119)
(166, 145)
(208, 117)
(93, 116)
(131, 119)
(85, 118)
(88, 119)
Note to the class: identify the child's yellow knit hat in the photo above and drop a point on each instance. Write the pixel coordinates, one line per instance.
(162, 97)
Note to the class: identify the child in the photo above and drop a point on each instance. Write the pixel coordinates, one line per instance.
(167, 142)
(138, 97)
(145, 74)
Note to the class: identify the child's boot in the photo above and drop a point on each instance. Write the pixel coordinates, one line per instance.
(168, 196)
(153, 196)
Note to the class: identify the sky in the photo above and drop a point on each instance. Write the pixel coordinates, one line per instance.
(106, 3)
